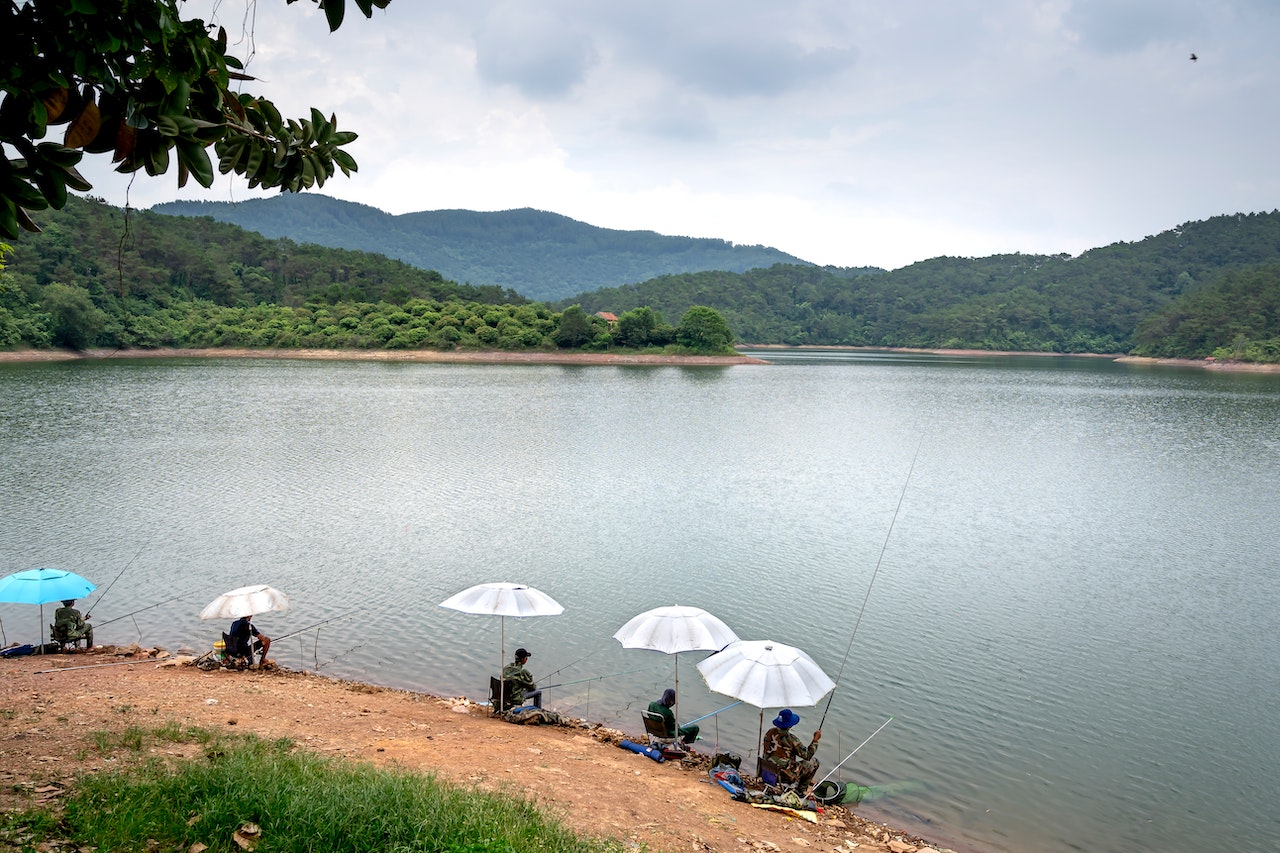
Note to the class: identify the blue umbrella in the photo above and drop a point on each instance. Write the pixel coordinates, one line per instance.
(41, 586)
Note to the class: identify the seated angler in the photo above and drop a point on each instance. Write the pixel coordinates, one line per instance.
(662, 707)
(68, 624)
(795, 762)
(245, 639)
(520, 684)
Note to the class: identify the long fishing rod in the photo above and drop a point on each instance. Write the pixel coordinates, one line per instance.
(863, 609)
(315, 625)
(95, 666)
(103, 594)
(148, 607)
(597, 677)
(712, 714)
(859, 746)
(575, 663)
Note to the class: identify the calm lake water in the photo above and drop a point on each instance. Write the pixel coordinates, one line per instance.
(1073, 623)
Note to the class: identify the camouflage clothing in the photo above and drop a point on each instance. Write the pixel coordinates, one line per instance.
(519, 681)
(68, 623)
(794, 760)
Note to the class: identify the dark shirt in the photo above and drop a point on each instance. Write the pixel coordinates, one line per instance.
(242, 630)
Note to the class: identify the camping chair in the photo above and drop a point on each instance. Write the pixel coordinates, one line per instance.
(233, 656)
(499, 694)
(656, 728)
(60, 636)
(771, 775)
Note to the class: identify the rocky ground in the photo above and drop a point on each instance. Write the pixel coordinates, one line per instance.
(53, 705)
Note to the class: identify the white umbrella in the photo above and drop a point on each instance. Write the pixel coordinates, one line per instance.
(675, 629)
(503, 599)
(246, 601)
(766, 674)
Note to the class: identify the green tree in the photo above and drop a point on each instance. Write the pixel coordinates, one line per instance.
(704, 329)
(135, 80)
(74, 321)
(575, 328)
(636, 327)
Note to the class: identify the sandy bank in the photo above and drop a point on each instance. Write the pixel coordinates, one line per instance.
(425, 356)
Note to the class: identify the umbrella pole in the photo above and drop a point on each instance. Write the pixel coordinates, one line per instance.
(760, 737)
(676, 709)
(502, 646)
(40, 629)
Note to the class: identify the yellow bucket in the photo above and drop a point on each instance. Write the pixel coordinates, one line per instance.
(220, 648)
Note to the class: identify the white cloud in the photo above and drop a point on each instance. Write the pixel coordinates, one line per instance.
(847, 133)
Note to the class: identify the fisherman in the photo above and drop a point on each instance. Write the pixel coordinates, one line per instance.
(68, 623)
(243, 643)
(662, 708)
(794, 760)
(520, 683)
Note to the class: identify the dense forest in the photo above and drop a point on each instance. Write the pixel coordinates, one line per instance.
(543, 255)
(1093, 303)
(96, 278)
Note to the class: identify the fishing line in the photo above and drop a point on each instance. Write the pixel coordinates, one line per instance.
(598, 677)
(850, 755)
(863, 609)
(566, 666)
(103, 594)
(148, 607)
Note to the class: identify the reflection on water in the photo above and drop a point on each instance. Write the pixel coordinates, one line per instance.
(1071, 622)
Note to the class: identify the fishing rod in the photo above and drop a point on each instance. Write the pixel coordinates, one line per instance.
(103, 594)
(863, 609)
(597, 677)
(712, 714)
(148, 607)
(859, 746)
(575, 663)
(94, 666)
(315, 625)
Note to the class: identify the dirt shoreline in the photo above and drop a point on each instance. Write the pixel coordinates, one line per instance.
(53, 706)
(584, 358)
(423, 356)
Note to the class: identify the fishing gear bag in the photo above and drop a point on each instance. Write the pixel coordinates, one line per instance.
(732, 759)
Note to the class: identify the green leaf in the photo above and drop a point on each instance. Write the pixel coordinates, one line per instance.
(195, 157)
(334, 11)
(8, 218)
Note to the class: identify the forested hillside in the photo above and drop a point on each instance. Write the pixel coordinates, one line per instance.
(1051, 303)
(96, 278)
(91, 245)
(542, 255)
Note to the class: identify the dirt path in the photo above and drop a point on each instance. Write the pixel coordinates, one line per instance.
(577, 771)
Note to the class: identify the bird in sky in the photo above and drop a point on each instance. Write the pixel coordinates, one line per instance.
(1195, 58)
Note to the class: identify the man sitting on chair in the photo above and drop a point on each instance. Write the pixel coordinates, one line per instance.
(662, 708)
(246, 639)
(794, 760)
(520, 684)
(68, 623)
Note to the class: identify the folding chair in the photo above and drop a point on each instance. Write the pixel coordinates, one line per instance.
(656, 729)
(771, 775)
(59, 636)
(499, 694)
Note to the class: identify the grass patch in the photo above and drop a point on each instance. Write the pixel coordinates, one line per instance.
(299, 801)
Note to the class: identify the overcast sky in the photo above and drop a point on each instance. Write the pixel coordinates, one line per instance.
(846, 132)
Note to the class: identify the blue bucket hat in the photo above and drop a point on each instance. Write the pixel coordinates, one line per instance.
(786, 719)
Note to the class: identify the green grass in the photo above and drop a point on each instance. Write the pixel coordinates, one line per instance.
(301, 802)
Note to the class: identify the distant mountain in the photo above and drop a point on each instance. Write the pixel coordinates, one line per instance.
(1095, 302)
(544, 256)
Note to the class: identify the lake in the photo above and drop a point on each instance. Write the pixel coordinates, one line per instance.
(1063, 572)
